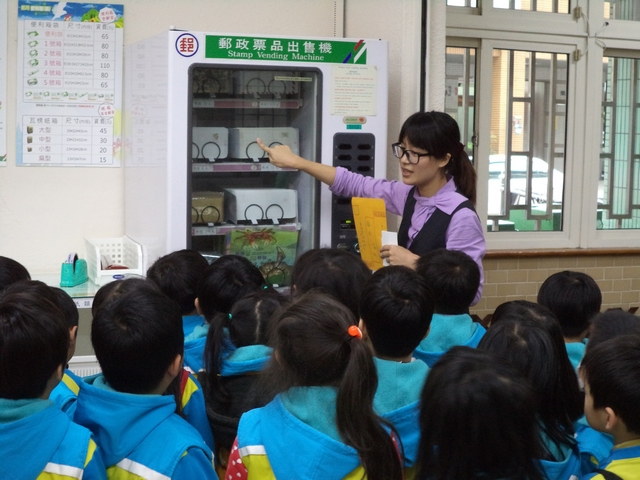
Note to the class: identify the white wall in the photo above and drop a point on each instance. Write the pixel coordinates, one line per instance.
(45, 212)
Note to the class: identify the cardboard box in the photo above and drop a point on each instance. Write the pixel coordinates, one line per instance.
(207, 207)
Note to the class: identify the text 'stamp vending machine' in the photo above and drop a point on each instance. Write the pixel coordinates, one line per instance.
(195, 177)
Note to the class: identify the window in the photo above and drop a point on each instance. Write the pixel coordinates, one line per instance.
(552, 6)
(550, 114)
(619, 183)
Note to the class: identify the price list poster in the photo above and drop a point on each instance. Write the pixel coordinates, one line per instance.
(69, 84)
(3, 81)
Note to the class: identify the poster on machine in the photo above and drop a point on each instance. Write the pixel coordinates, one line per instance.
(3, 81)
(69, 88)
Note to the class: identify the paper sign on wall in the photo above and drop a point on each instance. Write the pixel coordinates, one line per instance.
(3, 81)
(69, 83)
(370, 216)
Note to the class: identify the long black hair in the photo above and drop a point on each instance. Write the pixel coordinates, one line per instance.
(477, 420)
(542, 358)
(439, 134)
(313, 348)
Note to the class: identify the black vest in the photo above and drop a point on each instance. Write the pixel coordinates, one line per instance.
(433, 232)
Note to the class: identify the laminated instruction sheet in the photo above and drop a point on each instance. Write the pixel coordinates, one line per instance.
(69, 98)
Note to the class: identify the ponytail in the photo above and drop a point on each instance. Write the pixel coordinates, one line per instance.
(358, 424)
(464, 174)
(213, 351)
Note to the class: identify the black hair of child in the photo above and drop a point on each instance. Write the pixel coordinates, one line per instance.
(313, 348)
(224, 282)
(34, 341)
(438, 134)
(246, 324)
(542, 358)
(612, 369)
(333, 271)
(478, 420)
(67, 306)
(453, 278)
(177, 275)
(611, 324)
(136, 336)
(112, 290)
(11, 272)
(228, 397)
(574, 298)
(396, 308)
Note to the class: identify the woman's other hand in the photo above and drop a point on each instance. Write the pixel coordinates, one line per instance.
(396, 255)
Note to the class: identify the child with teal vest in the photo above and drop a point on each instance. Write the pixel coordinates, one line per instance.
(478, 420)
(188, 393)
(395, 313)
(453, 278)
(138, 341)
(574, 298)
(177, 275)
(610, 371)
(66, 392)
(235, 354)
(222, 284)
(593, 445)
(529, 347)
(38, 440)
(321, 424)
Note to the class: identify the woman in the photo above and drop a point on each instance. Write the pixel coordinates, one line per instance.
(435, 197)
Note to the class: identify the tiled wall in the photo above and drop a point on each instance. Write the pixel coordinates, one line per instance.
(510, 277)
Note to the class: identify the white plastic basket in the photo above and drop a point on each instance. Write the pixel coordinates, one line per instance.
(121, 250)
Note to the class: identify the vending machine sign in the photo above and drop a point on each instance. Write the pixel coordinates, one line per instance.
(69, 83)
(286, 49)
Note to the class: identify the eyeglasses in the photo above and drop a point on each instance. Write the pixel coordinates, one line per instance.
(412, 157)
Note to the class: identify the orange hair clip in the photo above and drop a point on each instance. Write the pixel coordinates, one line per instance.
(354, 331)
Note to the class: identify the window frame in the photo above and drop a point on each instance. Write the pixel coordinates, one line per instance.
(486, 29)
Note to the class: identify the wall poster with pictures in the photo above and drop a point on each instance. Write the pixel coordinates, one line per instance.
(69, 88)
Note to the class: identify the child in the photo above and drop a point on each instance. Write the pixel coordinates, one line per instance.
(322, 424)
(66, 392)
(37, 440)
(532, 351)
(224, 282)
(236, 351)
(185, 388)
(478, 420)
(593, 445)
(610, 372)
(395, 313)
(11, 272)
(453, 279)
(611, 324)
(574, 298)
(138, 341)
(435, 197)
(177, 276)
(336, 272)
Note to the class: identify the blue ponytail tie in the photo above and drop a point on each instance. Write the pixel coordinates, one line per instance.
(230, 316)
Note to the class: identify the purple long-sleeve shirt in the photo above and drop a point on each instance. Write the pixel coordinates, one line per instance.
(464, 233)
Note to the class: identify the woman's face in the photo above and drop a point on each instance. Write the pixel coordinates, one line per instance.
(427, 173)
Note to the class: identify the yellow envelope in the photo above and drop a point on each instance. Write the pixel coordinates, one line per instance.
(370, 216)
